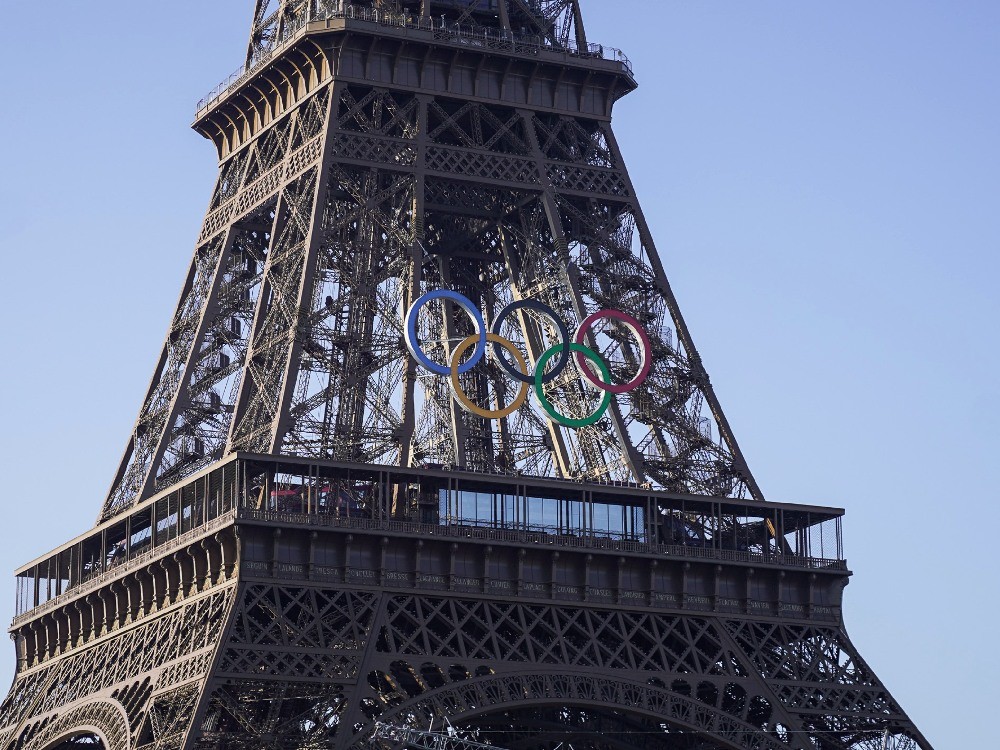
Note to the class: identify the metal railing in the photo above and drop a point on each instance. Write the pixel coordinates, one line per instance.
(487, 38)
(96, 581)
(517, 536)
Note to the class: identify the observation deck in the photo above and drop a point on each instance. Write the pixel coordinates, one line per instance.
(405, 51)
(339, 524)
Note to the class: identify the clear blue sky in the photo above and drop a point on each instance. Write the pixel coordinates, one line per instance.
(822, 179)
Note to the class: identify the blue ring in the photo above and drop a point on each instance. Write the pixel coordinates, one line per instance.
(414, 345)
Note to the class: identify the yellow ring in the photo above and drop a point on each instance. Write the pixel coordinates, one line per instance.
(464, 400)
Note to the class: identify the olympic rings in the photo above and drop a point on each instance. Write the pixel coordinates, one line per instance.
(544, 309)
(641, 337)
(585, 358)
(581, 351)
(465, 401)
(413, 344)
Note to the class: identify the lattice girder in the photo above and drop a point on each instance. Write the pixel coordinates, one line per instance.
(133, 688)
(418, 658)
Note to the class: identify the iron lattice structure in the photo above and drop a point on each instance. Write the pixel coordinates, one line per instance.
(308, 540)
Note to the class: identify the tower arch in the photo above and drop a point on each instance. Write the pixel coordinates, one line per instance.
(104, 720)
(471, 704)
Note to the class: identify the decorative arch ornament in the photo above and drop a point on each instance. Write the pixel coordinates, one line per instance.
(104, 718)
(482, 696)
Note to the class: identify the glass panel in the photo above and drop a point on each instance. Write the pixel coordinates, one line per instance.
(142, 534)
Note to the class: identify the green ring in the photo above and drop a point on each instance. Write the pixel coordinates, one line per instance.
(546, 404)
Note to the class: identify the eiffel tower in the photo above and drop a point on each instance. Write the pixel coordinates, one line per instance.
(429, 439)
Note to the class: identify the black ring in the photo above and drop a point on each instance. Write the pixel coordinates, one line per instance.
(544, 309)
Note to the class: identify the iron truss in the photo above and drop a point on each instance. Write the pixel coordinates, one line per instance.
(371, 152)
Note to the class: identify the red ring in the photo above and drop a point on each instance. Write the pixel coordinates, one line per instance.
(641, 337)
